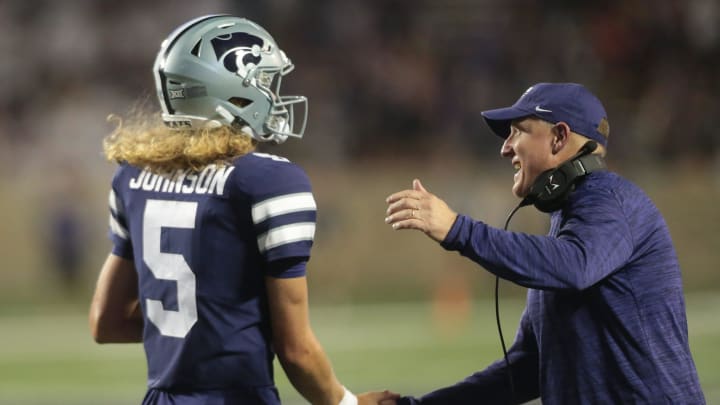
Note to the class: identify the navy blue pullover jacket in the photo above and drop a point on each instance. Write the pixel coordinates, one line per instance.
(605, 317)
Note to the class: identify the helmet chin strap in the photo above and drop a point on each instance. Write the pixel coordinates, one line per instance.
(276, 136)
(225, 113)
(246, 130)
(280, 138)
(273, 136)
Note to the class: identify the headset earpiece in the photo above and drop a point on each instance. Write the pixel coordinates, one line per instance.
(551, 189)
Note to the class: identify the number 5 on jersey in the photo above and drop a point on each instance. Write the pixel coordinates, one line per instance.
(170, 266)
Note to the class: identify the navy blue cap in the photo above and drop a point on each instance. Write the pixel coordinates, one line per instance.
(571, 103)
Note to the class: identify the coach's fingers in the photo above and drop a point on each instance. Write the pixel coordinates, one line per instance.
(408, 224)
(417, 186)
(402, 204)
(406, 220)
(396, 206)
(412, 194)
(402, 215)
(399, 195)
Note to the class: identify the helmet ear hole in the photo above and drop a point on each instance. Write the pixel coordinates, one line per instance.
(195, 51)
(240, 102)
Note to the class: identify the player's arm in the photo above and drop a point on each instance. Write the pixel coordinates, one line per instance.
(298, 350)
(278, 189)
(301, 355)
(115, 315)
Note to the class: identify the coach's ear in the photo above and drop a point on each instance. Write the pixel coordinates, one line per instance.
(561, 135)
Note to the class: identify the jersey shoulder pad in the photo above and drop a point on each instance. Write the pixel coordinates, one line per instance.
(123, 174)
(262, 176)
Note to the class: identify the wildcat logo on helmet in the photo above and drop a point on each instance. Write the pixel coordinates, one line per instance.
(239, 50)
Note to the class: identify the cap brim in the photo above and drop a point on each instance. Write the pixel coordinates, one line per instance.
(499, 119)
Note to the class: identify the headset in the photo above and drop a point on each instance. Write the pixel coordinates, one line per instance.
(549, 193)
(552, 188)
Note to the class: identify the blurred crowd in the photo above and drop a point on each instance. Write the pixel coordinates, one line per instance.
(388, 78)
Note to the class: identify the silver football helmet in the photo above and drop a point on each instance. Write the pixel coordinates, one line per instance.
(223, 70)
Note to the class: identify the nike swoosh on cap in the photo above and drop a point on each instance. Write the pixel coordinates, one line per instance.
(538, 109)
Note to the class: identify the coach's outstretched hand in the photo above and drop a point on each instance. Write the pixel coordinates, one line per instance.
(377, 398)
(420, 209)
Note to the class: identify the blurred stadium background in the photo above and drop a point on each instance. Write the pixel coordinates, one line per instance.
(395, 91)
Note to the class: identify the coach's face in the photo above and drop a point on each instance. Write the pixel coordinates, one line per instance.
(529, 146)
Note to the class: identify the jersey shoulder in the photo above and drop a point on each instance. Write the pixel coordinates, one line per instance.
(282, 206)
(262, 176)
(123, 173)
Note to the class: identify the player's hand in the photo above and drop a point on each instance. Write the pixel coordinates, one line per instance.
(419, 209)
(377, 398)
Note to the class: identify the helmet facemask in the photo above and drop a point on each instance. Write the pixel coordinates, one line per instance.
(280, 122)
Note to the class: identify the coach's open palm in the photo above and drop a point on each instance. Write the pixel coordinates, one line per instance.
(420, 209)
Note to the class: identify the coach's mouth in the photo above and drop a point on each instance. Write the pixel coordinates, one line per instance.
(517, 178)
(517, 166)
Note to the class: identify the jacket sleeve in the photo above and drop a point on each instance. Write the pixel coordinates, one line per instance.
(593, 241)
(491, 386)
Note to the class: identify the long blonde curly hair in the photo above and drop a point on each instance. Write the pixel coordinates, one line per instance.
(144, 141)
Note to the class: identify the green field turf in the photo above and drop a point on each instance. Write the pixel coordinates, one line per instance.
(51, 359)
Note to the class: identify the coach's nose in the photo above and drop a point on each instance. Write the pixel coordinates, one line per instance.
(507, 148)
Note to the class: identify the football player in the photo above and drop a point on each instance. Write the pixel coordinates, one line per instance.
(211, 240)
